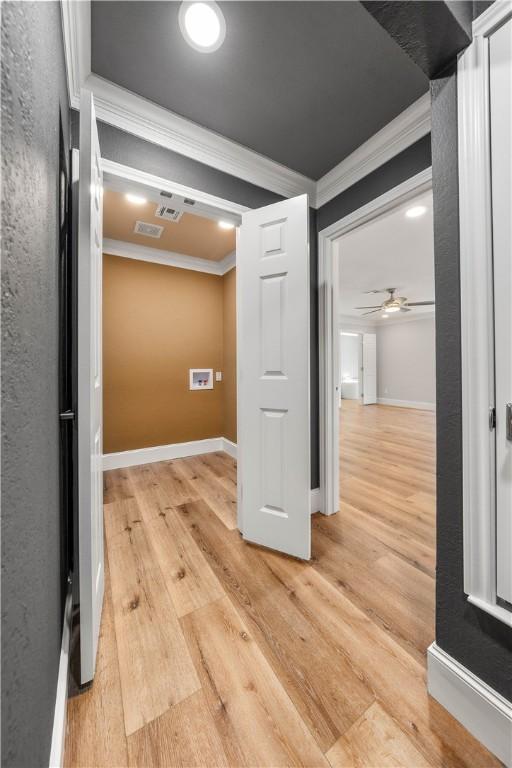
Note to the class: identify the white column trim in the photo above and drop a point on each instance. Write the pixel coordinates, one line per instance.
(483, 711)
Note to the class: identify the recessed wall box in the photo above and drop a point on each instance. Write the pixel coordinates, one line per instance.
(201, 378)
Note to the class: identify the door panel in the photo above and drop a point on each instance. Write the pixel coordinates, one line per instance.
(274, 420)
(369, 368)
(90, 448)
(500, 61)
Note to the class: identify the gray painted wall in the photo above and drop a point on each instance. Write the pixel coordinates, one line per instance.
(406, 361)
(475, 639)
(33, 92)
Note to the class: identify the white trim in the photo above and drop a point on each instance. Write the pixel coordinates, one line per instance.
(76, 29)
(169, 258)
(162, 184)
(407, 128)
(496, 15)
(316, 500)
(328, 284)
(480, 709)
(61, 699)
(229, 447)
(421, 406)
(140, 117)
(477, 331)
(138, 456)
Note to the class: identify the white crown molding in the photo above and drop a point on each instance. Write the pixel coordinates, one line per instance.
(493, 17)
(409, 126)
(169, 258)
(136, 115)
(140, 117)
(480, 709)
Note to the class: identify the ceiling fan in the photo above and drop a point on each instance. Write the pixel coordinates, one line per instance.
(394, 303)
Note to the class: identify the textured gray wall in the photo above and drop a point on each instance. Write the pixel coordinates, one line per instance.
(33, 91)
(406, 361)
(475, 639)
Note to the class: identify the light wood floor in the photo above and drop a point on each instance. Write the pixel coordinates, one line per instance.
(217, 653)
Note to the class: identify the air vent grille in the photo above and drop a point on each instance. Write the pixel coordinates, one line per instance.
(150, 230)
(163, 211)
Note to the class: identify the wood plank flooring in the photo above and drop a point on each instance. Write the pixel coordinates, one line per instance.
(214, 652)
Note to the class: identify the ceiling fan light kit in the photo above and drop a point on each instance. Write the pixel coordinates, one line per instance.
(393, 303)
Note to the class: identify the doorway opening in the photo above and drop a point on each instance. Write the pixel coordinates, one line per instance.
(169, 332)
(379, 390)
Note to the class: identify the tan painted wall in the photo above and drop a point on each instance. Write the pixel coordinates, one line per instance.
(158, 322)
(229, 355)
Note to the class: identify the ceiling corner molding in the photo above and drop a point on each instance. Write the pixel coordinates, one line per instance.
(76, 30)
(227, 263)
(136, 115)
(407, 128)
(168, 258)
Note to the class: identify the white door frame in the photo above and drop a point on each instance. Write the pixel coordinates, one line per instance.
(328, 259)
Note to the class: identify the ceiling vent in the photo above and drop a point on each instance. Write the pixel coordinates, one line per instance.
(163, 211)
(150, 230)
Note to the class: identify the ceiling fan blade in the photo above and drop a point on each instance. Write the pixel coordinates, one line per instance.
(375, 306)
(404, 309)
(420, 303)
(381, 290)
(371, 312)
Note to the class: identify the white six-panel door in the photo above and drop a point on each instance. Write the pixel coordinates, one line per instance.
(369, 368)
(90, 485)
(273, 388)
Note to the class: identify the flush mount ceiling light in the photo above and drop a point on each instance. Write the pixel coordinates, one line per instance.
(226, 225)
(415, 211)
(202, 25)
(135, 199)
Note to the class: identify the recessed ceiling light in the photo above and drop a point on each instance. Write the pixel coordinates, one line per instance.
(135, 199)
(415, 211)
(226, 225)
(202, 25)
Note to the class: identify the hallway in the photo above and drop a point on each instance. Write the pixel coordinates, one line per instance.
(214, 652)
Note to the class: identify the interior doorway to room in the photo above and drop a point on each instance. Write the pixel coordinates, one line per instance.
(387, 396)
(169, 329)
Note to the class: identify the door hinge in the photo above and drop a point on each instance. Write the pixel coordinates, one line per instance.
(67, 416)
(492, 418)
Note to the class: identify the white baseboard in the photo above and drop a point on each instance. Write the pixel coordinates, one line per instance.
(316, 500)
(229, 447)
(407, 404)
(61, 698)
(165, 452)
(480, 709)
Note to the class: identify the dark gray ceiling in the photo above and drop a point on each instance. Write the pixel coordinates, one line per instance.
(303, 83)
